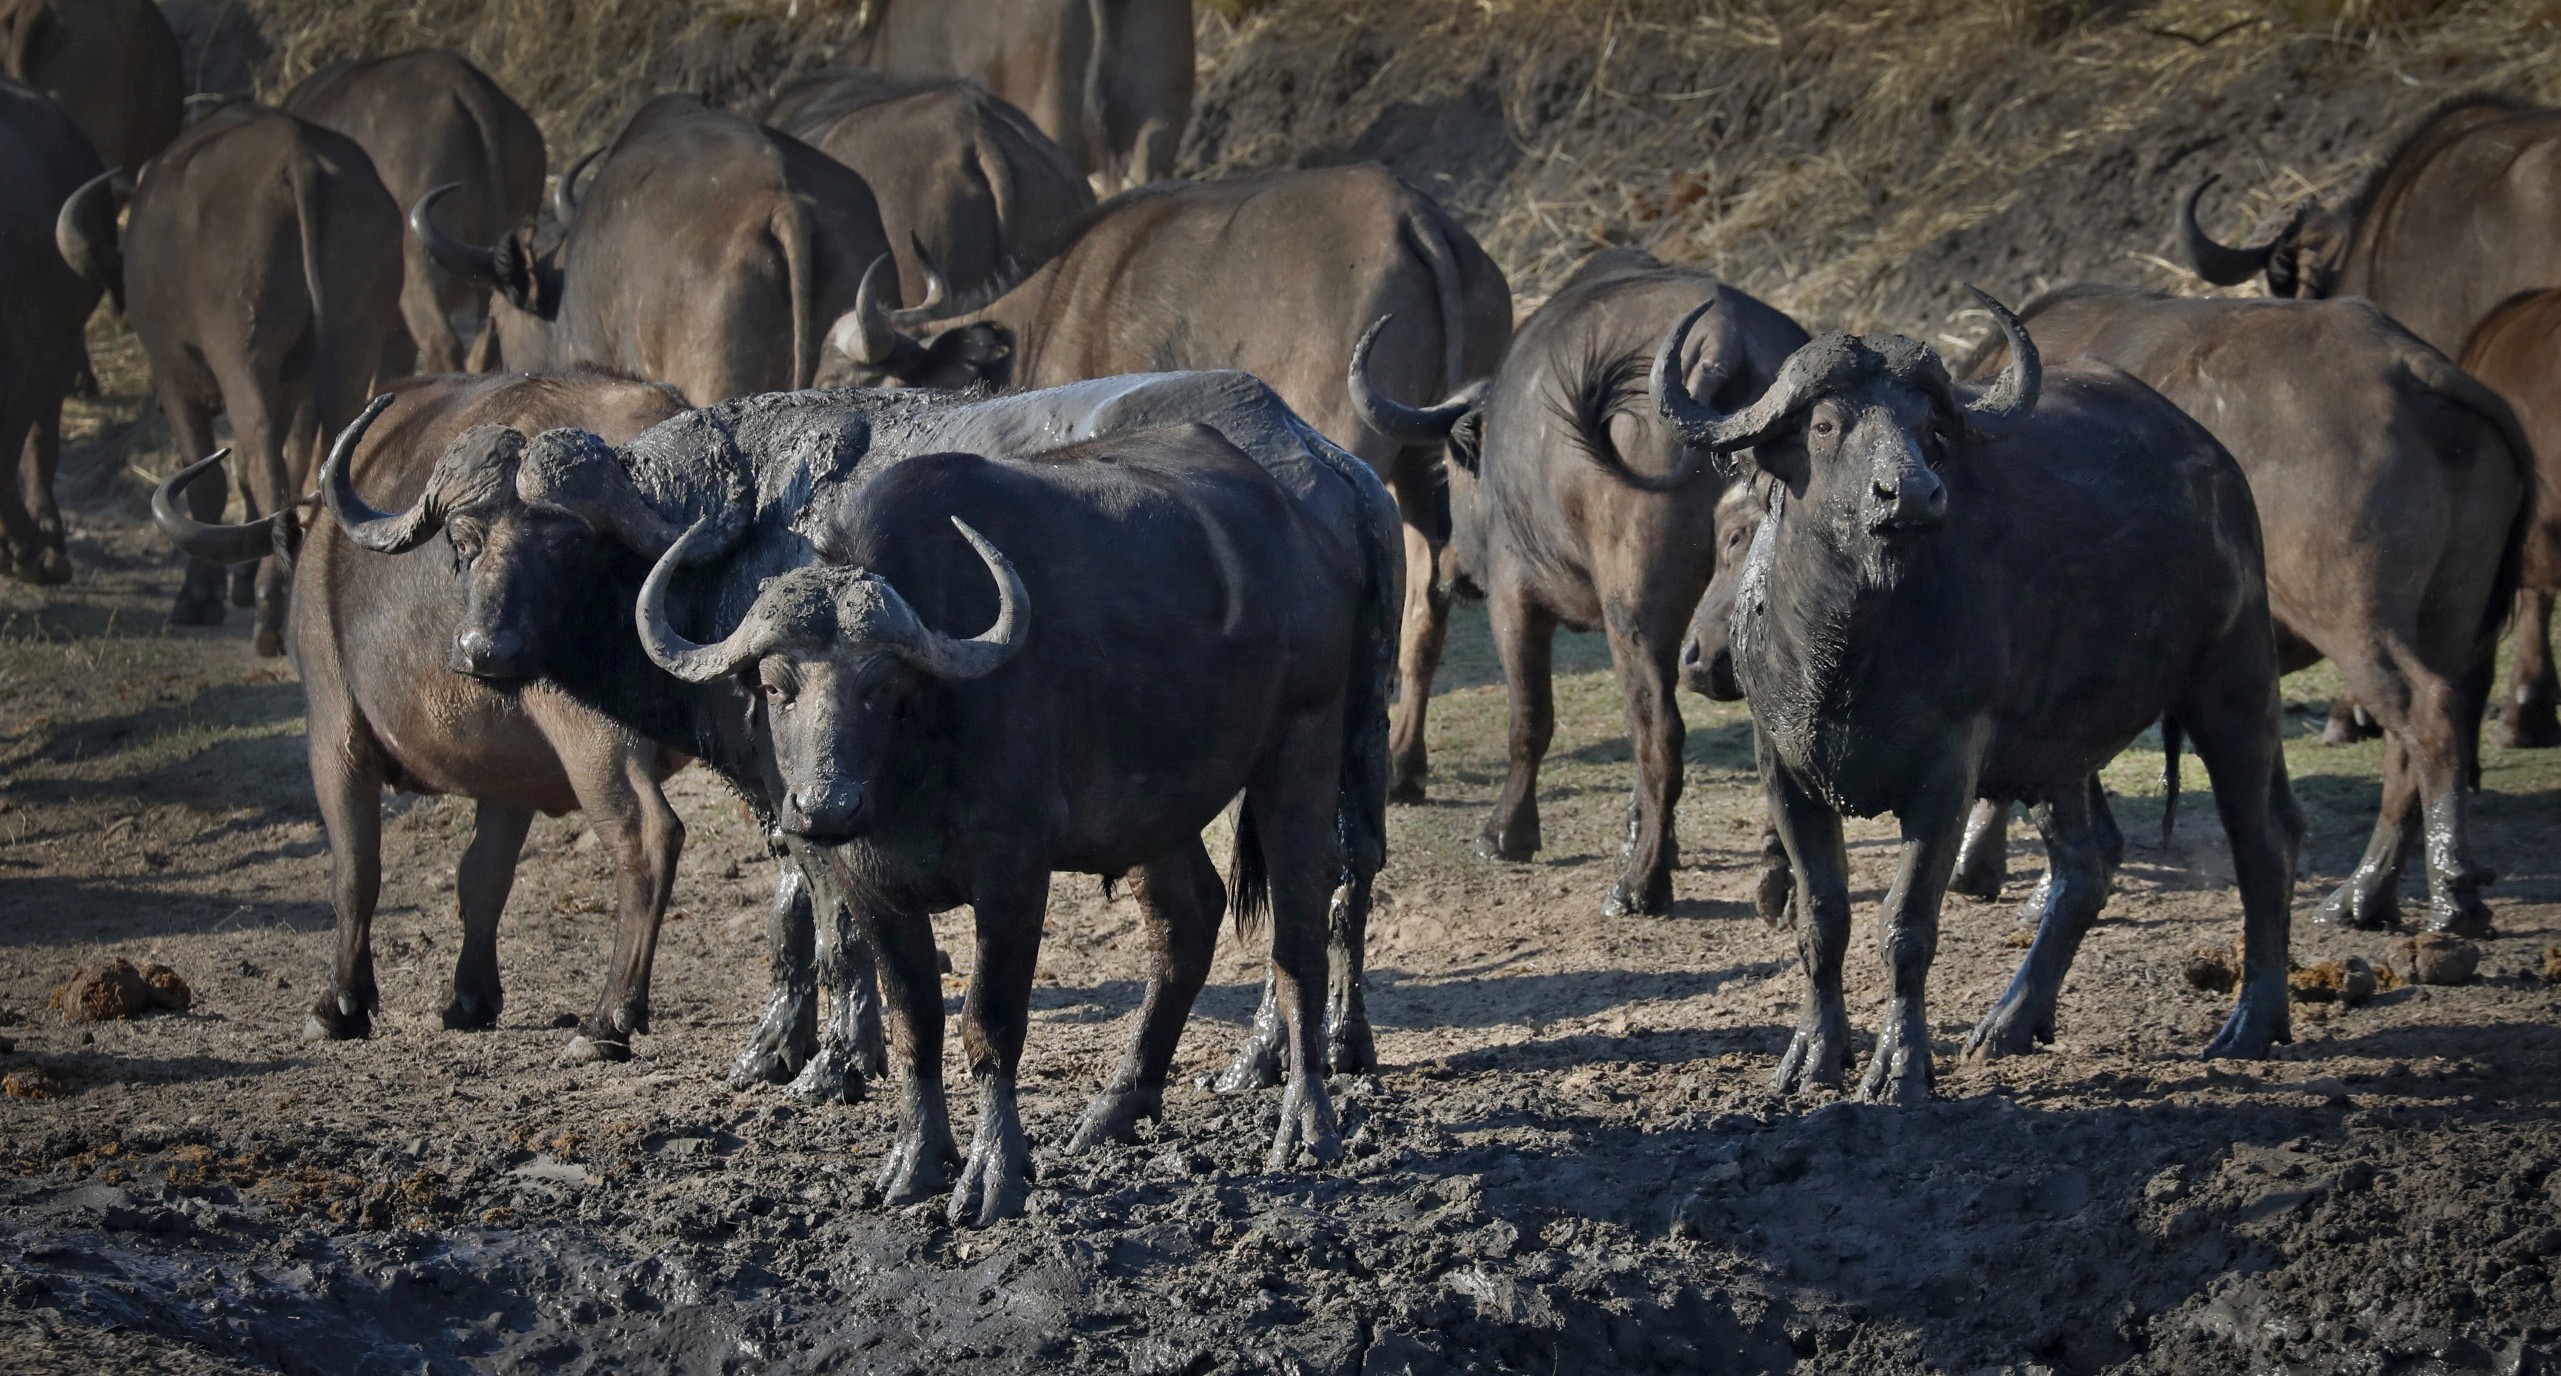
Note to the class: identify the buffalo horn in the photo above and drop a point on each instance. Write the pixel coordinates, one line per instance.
(1394, 419)
(949, 657)
(1702, 429)
(381, 532)
(564, 193)
(2221, 264)
(667, 647)
(218, 544)
(937, 287)
(874, 334)
(84, 232)
(474, 262)
(2012, 395)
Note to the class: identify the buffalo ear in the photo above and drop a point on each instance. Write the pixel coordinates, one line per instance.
(520, 277)
(980, 350)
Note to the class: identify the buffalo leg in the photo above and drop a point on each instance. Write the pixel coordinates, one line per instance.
(25, 542)
(481, 884)
(1819, 1053)
(2421, 712)
(787, 1035)
(2531, 721)
(1289, 816)
(1181, 900)
(995, 1016)
(1524, 639)
(922, 1161)
(350, 797)
(191, 429)
(2075, 890)
(1933, 824)
(1644, 657)
(260, 458)
(50, 561)
(1419, 638)
(629, 813)
(1983, 865)
(2370, 897)
(1350, 1049)
(1774, 895)
(2237, 733)
(850, 1049)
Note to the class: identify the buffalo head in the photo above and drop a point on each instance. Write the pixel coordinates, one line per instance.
(525, 288)
(1707, 655)
(2302, 246)
(1855, 429)
(866, 348)
(527, 521)
(831, 655)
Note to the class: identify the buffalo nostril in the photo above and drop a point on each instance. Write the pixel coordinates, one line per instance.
(474, 644)
(1689, 654)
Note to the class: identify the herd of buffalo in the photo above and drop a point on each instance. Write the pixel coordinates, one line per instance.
(974, 530)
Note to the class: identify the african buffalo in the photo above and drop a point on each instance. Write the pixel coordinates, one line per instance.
(112, 63)
(962, 177)
(1279, 275)
(2517, 353)
(2458, 219)
(262, 274)
(561, 575)
(2394, 492)
(1935, 607)
(384, 712)
(709, 252)
(1170, 624)
(1110, 80)
(1550, 537)
(44, 160)
(428, 119)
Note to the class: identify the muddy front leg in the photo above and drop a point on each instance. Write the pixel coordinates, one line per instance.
(995, 1016)
(1933, 831)
(2076, 888)
(787, 1035)
(851, 1048)
(1810, 832)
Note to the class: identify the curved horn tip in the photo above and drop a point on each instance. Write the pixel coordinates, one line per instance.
(2012, 396)
(874, 334)
(2213, 261)
(219, 544)
(379, 531)
(665, 645)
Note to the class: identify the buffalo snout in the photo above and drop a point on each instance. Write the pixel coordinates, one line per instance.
(488, 654)
(1909, 497)
(835, 811)
(1710, 674)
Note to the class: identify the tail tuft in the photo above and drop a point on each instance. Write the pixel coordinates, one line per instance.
(1249, 884)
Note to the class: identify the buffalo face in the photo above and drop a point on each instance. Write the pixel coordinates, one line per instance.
(1707, 655)
(865, 347)
(832, 655)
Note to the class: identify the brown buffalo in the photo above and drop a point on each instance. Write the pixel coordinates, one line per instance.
(2517, 351)
(2393, 490)
(962, 177)
(44, 160)
(1278, 275)
(709, 252)
(384, 711)
(1110, 80)
(1551, 537)
(2458, 219)
(264, 283)
(112, 63)
(430, 119)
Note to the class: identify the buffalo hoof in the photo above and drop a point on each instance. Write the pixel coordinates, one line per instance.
(920, 1166)
(1115, 1114)
(244, 585)
(997, 1180)
(784, 1041)
(833, 1076)
(50, 568)
(197, 607)
(1263, 1058)
(471, 1012)
(2258, 1022)
(1350, 1049)
(268, 644)
(2462, 914)
(2372, 908)
(2031, 912)
(1405, 787)
(334, 1019)
(1306, 1127)
(2529, 726)
(1633, 899)
(1818, 1056)
(1980, 877)
(2010, 1029)
(586, 1048)
(1899, 1072)
(1515, 843)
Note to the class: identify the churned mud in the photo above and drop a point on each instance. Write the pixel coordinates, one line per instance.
(1570, 1160)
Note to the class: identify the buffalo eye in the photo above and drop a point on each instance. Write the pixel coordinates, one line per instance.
(1823, 429)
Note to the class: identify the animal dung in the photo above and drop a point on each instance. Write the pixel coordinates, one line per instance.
(2214, 969)
(2552, 964)
(2350, 981)
(121, 989)
(29, 1082)
(2435, 958)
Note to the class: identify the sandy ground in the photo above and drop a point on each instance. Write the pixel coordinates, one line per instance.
(1570, 1158)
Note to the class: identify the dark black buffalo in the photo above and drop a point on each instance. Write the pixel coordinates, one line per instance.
(428, 119)
(708, 252)
(260, 266)
(1550, 537)
(113, 64)
(1277, 275)
(384, 712)
(2393, 490)
(964, 179)
(2458, 219)
(1934, 608)
(44, 307)
(554, 583)
(2517, 352)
